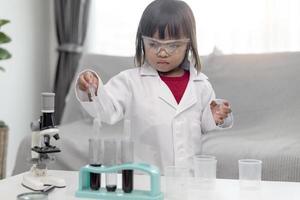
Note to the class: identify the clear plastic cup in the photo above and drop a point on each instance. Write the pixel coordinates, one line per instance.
(228, 121)
(250, 173)
(205, 169)
(177, 182)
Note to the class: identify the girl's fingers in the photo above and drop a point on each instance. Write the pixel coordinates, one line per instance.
(81, 87)
(219, 121)
(218, 118)
(86, 79)
(226, 110)
(95, 82)
(88, 76)
(226, 103)
(213, 104)
(220, 111)
(221, 116)
(83, 84)
(225, 107)
(91, 78)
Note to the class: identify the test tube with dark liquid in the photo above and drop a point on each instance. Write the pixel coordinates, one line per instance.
(127, 157)
(95, 161)
(110, 159)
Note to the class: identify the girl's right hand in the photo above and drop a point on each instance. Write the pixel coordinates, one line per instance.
(87, 78)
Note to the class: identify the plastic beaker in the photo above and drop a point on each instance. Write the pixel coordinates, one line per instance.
(177, 182)
(250, 173)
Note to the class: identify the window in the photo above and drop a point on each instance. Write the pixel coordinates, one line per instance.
(233, 26)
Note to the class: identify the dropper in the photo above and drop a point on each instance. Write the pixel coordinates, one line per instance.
(95, 149)
(97, 120)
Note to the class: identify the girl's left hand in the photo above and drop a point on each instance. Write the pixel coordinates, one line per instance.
(220, 111)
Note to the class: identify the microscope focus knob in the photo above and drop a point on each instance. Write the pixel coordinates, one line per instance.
(56, 136)
(35, 126)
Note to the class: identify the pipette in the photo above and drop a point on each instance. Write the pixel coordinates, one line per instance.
(95, 142)
(97, 120)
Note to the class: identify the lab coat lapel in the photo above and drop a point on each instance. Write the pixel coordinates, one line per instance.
(166, 95)
(189, 97)
(162, 89)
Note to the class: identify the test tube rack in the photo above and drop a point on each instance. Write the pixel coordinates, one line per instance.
(101, 194)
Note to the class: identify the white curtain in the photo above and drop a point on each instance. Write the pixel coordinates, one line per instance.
(232, 26)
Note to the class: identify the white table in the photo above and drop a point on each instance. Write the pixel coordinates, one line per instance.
(225, 189)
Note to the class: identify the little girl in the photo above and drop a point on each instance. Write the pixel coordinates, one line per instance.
(166, 99)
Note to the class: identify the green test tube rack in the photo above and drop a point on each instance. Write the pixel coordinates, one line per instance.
(101, 194)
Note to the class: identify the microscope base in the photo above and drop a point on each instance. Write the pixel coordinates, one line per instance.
(38, 183)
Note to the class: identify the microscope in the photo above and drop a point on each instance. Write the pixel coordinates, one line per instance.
(42, 131)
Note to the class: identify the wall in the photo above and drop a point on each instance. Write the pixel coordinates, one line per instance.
(27, 73)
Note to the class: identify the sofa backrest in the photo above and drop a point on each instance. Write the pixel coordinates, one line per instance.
(263, 89)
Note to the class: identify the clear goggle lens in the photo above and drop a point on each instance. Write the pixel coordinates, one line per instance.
(170, 46)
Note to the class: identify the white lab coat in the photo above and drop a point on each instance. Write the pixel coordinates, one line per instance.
(165, 133)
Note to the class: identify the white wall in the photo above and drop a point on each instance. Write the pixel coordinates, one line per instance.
(27, 73)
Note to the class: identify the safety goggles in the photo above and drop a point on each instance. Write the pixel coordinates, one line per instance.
(170, 46)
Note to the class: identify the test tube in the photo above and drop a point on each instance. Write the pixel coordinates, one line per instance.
(127, 157)
(110, 159)
(95, 161)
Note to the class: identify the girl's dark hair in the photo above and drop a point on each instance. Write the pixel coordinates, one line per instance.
(176, 17)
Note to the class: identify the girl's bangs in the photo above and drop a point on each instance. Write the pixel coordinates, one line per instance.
(168, 23)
